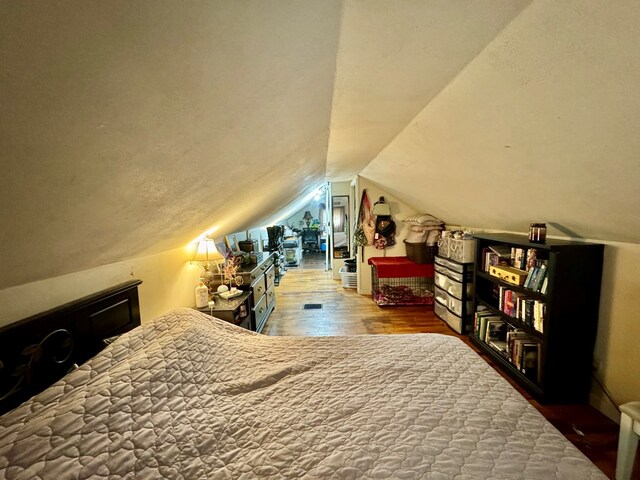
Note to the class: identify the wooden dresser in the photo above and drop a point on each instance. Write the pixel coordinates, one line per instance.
(260, 280)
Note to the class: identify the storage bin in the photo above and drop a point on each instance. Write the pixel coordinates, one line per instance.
(349, 279)
(443, 246)
(441, 280)
(462, 250)
(452, 319)
(451, 281)
(456, 267)
(420, 252)
(456, 306)
(441, 296)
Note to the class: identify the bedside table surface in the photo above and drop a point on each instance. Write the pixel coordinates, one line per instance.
(222, 305)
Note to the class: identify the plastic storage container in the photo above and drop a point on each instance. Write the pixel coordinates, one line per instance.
(349, 279)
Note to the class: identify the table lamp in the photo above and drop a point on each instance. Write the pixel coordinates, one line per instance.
(207, 254)
(307, 217)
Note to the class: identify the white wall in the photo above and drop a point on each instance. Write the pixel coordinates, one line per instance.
(168, 281)
(399, 211)
(617, 352)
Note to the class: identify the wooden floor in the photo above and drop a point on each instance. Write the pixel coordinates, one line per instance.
(344, 312)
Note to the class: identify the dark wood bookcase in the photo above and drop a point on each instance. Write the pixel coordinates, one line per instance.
(572, 297)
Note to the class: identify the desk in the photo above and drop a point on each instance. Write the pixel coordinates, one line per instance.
(235, 310)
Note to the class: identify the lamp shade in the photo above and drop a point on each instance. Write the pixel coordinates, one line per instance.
(206, 251)
(307, 216)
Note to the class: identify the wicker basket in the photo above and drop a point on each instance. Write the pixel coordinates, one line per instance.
(420, 252)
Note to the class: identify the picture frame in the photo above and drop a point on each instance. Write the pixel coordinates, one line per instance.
(232, 244)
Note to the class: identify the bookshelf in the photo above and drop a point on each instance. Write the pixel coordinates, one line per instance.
(540, 331)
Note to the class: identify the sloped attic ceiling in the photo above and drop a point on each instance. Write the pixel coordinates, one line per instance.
(540, 126)
(129, 128)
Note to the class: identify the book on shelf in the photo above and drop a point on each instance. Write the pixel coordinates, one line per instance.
(527, 316)
(543, 288)
(538, 314)
(480, 322)
(518, 258)
(536, 276)
(496, 255)
(496, 330)
(530, 276)
(508, 304)
(542, 274)
(530, 363)
(500, 346)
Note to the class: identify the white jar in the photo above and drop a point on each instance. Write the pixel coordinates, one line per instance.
(202, 295)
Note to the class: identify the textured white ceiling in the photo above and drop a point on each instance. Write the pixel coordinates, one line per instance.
(393, 59)
(129, 128)
(540, 126)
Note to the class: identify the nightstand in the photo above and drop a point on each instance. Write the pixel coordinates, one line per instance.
(235, 310)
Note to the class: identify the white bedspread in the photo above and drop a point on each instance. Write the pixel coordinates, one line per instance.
(188, 397)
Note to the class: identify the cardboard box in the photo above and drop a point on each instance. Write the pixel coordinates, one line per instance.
(511, 275)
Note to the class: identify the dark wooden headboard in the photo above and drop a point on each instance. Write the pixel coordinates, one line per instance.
(37, 351)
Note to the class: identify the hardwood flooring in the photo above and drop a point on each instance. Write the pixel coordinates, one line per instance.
(345, 312)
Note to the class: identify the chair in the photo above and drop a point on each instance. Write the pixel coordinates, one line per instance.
(628, 441)
(310, 239)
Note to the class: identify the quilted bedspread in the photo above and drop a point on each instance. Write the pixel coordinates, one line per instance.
(189, 397)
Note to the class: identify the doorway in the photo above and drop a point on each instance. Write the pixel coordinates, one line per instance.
(307, 242)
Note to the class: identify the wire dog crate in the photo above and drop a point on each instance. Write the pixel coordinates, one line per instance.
(399, 281)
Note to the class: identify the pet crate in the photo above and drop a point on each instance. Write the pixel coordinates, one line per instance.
(399, 281)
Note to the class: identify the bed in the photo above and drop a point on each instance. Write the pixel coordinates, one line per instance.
(188, 396)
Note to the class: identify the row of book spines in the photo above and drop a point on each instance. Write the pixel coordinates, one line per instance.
(529, 311)
(492, 258)
(525, 354)
(537, 278)
(482, 323)
(522, 351)
(525, 258)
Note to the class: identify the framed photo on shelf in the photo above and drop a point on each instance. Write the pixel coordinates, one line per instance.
(232, 244)
(222, 248)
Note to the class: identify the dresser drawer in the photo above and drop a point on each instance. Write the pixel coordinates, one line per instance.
(259, 271)
(261, 312)
(259, 288)
(271, 298)
(270, 275)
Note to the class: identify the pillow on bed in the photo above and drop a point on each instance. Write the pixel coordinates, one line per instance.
(423, 219)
